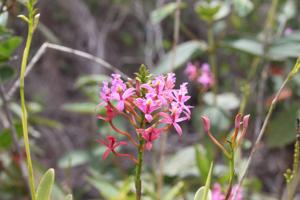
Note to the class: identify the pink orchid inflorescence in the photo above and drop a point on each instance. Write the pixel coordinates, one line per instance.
(202, 75)
(152, 105)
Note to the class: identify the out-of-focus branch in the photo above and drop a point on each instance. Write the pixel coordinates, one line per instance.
(65, 49)
(163, 142)
(14, 135)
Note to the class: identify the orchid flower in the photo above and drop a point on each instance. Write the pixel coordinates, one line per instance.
(150, 134)
(111, 145)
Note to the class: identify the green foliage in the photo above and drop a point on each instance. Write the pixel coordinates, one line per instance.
(82, 108)
(243, 7)
(8, 47)
(210, 11)
(184, 52)
(45, 186)
(93, 79)
(202, 161)
(204, 192)
(281, 130)
(161, 13)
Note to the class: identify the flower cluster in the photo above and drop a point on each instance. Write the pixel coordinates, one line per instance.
(217, 193)
(202, 76)
(152, 105)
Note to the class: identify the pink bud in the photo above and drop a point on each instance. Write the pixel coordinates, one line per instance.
(206, 123)
(238, 120)
(246, 121)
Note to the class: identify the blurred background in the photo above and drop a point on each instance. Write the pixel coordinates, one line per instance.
(252, 43)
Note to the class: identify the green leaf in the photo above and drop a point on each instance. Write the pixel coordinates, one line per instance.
(212, 11)
(5, 139)
(200, 194)
(204, 193)
(219, 121)
(243, 7)
(6, 73)
(161, 13)
(226, 101)
(106, 189)
(202, 162)
(175, 191)
(7, 47)
(187, 167)
(90, 80)
(281, 129)
(74, 158)
(45, 187)
(69, 197)
(246, 45)
(82, 108)
(184, 52)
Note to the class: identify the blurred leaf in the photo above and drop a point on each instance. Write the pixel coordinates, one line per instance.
(219, 121)
(161, 13)
(243, 7)
(281, 129)
(184, 52)
(202, 162)
(246, 45)
(82, 108)
(45, 186)
(200, 194)
(45, 122)
(69, 197)
(6, 73)
(7, 47)
(106, 189)
(91, 80)
(34, 107)
(204, 193)
(212, 11)
(3, 17)
(226, 101)
(289, 10)
(124, 189)
(74, 158)
(5, 139)
(175, 191)
(186, 158)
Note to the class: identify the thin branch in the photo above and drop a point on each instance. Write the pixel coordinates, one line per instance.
(164, 138)
(42, 50)
(266, 121)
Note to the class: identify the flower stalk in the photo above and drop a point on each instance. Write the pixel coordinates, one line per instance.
(32, 21)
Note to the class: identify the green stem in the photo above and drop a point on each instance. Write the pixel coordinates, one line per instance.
(138, 169)
(212, 58)
(231, 175)
(24, 111)
(138, 172)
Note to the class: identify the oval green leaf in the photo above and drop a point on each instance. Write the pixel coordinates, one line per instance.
(45, 187)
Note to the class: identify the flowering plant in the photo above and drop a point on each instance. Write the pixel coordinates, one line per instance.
(152, 106)
(202, 76)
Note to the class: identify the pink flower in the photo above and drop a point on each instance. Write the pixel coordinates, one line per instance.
(206, 77)
(110, 113)
(217, 193)
(288, 31)
(121, 97)
(180, 98)
(150, 134)
(173, 119)
(191, 71)
(111, 145)
(147, 106)
(170, 81)
(105, 92)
